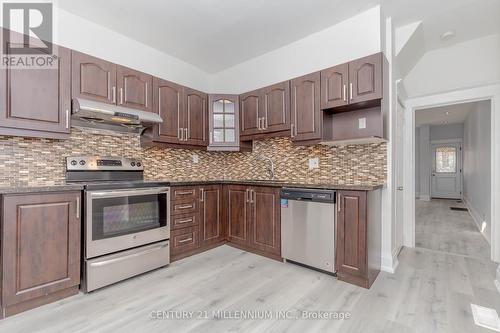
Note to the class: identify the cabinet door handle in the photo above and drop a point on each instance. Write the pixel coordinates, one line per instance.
(187, 133)
(67, 118)
(258, 123)
(146, 95)
(121, 95)
(185, 207)
(252, 194)
(202, 194)
(185, 221)
(345, 93)
(113, 94)
(339, 203)
(264, 120)
(350, 91)
(186, 240)
(185, 193)
(292, 126)
(77, 207)
(247, 196)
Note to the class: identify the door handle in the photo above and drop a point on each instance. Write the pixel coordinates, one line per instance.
(292, 126)
(121, 95)
(202, 193)
(113, 92)
(67, 118)
(350, 91)
(345, 93)
(186, 134)
(186, 240)
(185, 221)
(399, 188)
(77, 207)
(247, 196)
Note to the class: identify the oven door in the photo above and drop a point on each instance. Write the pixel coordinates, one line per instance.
(117, 220)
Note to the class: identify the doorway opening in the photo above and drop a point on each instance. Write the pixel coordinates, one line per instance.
(453, 178)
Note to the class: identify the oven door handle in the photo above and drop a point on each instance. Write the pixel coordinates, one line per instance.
(127, 193)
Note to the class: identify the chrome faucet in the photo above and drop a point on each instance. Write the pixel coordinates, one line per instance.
(271, 164)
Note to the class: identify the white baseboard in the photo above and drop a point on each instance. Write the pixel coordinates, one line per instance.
(390, 263)
(424, 197)
(477, 219)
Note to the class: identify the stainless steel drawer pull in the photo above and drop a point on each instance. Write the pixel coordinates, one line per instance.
(185, 221)
(77, 207)
(185, 193)
(186, 240)
(185, 207)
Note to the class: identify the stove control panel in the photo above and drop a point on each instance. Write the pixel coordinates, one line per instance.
(100, 163)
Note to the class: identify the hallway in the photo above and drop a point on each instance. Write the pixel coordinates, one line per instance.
(439, 228)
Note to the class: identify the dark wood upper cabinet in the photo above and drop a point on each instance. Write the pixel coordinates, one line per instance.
(93, 78)
(211, 215)
(36, 101)
(265, 233)
(196, 118)
(365, 79)
(237, 214)
(306, 121)
(134, 89)
(168, 102)
(250, 113)
(40, 245)
(334, 86)
(276, 107)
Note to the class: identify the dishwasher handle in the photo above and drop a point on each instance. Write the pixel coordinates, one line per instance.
(308, 195)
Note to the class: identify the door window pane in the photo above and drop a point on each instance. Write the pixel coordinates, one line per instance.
(218, 106)
(218, 120)
(229, 107)
(446, 159)
(229, 120)
(229, 135)
(218, 135)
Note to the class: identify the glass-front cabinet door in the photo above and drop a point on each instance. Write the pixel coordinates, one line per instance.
(224, 123)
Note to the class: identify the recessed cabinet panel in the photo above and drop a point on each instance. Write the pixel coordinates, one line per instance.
(195, 120)
(250, 113)
(134, 89)
(93, 78)
(276, 112)
(266, 227)
(211, 228)
(169, 104)
(306, 112)
(365, 77)
(37, 99)
(238, 214)
(334, 86)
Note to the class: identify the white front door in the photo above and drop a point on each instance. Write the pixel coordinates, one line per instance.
(446, 177)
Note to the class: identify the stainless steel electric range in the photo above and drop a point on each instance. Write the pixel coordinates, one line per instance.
(126, 225)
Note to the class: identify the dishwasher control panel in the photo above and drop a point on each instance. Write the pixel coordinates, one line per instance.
(308, 194)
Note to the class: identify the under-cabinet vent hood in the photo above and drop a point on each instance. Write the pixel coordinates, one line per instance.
(87, 113)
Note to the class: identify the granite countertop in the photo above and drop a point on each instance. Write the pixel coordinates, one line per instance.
(271, 183)
(20, 188)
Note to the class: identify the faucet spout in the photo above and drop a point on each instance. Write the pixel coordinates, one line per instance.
(271, 165)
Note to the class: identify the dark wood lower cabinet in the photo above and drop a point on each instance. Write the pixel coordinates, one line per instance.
(40, 249)
(358, 236)
(196, 220)
(254, 219)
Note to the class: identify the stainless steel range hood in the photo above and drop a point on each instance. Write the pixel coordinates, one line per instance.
(87, 113)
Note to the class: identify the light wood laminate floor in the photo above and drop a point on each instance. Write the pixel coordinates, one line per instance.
(439, 228)
(430, 292)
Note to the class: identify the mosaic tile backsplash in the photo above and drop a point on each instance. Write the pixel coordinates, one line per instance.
(31, 161)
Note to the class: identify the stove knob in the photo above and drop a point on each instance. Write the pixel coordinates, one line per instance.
(139, 164)
(132, 163)
(82, 162)
(73, 162)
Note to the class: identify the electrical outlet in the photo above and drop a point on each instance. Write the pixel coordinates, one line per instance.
(361, 123)
(196, 158)
(313, 163)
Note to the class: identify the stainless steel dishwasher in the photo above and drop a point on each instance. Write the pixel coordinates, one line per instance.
(308, 227)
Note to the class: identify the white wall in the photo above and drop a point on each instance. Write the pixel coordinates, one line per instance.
(477, 165)
(85, 36)
(446, 132)
(424, 171)
(353, 38)
(464, 65)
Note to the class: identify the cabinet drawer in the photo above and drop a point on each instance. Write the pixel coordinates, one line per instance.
(183, 240)
(184, 193)
(187, 207)
(185, 220)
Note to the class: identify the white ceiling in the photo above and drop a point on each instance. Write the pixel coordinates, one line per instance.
(216, 34)
(449, 114)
